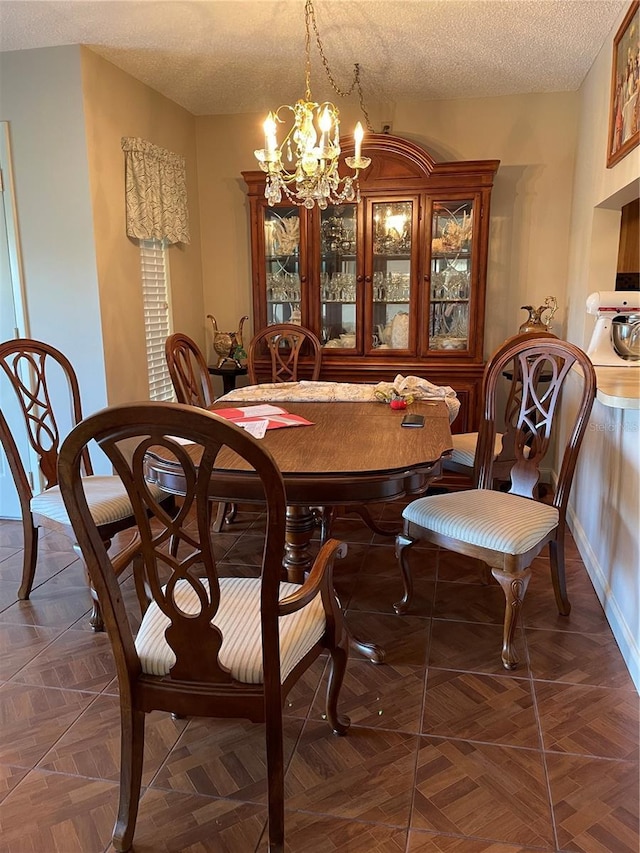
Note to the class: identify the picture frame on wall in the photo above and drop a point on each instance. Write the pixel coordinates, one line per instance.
(624, 110)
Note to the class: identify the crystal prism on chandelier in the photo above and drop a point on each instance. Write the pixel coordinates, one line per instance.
(314, 141)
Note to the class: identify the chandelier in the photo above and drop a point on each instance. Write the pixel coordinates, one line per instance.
(312, 177)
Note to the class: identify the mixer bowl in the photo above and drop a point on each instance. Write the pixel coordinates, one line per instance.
(625, 334)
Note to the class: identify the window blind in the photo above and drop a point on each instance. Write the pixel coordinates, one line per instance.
(157, 316)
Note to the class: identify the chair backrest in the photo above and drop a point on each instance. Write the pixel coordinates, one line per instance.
(508, 427)
(188, 370)
(190, 439)
(284, 343)
(39, 373)
(543, 364)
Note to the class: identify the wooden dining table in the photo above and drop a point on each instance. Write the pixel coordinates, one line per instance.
(353, 454)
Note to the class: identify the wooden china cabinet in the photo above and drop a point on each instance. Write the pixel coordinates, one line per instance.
(393, 284)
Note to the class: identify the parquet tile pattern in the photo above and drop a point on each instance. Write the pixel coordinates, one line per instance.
(447, 753)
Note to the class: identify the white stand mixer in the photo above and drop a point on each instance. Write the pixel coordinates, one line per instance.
(607, 305)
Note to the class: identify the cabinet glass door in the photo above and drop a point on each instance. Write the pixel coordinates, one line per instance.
(282, 264)
(451, 274)
(392, 274)
(338, 285)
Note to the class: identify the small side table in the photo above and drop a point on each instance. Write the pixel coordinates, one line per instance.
(229, 375)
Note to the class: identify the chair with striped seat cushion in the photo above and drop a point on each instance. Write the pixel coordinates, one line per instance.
(238, 618)
(208, 645)
(507, 530)
(47, 391)
(464, 449)
(107, 497)
(463, 457)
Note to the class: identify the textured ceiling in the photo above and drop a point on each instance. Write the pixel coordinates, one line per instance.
(230, 56)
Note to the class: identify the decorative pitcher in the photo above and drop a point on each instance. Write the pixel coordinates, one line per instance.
(226, 344)
(539, 319)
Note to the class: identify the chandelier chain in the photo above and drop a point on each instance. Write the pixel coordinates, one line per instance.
(310, 19)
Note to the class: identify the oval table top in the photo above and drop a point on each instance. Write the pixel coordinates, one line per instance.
(352, 453)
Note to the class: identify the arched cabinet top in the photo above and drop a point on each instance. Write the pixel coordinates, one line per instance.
(403, 163)
(389, 150)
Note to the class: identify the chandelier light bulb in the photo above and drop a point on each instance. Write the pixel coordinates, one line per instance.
(271, 141)
(325, 120)
(325, 126)
(358, 135)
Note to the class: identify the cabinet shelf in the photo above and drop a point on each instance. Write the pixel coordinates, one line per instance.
(392, 256)
(450, 256)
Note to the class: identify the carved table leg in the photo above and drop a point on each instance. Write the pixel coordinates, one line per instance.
(297, 558)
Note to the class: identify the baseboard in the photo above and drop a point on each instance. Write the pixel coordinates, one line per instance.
(622, 633)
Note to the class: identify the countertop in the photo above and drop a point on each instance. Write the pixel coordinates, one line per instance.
(619, 387)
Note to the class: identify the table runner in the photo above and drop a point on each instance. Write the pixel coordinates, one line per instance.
(345, 392)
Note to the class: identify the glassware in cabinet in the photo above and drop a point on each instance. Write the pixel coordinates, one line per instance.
(282, 264)
(451, 274)
(392, 274)
(338, 284)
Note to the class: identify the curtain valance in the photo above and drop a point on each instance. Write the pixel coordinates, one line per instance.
(155, 192)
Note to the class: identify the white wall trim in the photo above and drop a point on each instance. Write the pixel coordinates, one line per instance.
(622, 632)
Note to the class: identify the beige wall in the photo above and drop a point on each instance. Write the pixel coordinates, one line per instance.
(533, 136)
(224, 151)
(117, 105)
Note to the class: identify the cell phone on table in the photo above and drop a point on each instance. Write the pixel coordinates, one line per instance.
(412, 421)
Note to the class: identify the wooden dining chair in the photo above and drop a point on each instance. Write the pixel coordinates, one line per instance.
(192, 384)
(463, 458)
(189, 371)
(507, 530)
(48, 394)
(208, 645)
(284, 343)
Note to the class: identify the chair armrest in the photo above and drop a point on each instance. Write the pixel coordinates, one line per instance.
(122, 559)
(320, 578)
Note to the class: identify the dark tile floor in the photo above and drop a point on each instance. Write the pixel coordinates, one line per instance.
(447, 752)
